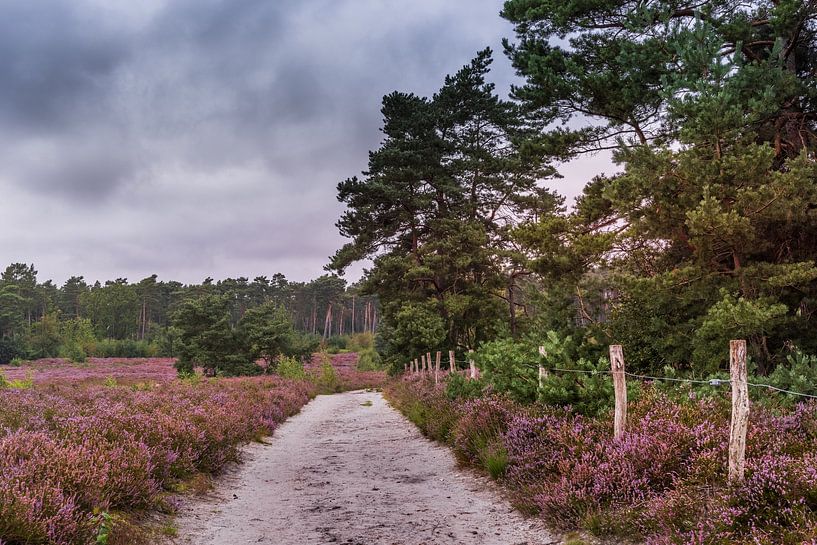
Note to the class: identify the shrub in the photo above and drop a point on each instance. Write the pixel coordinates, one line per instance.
(208, 338)
(369, 360)
(73, 352)
(44, 337)
(360, 342)
(336, 344)
(327, 379)
(10, 349)
(510, 367)
(589, 390)
(16, 384)
(123, 348)
(290, 368)
(798, 374)
(458, 386)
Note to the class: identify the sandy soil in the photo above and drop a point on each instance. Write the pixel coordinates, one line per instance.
(345, 472)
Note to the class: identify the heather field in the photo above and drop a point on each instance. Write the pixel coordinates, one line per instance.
(84, 447)
(664, 483)
(126, 370)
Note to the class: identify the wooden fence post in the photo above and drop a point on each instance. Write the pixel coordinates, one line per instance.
(437, 368)
(416, 365)
(405, 368)
(423, 363)
(429, 362)
(620, 387)
(542, 371)
(471, 364)
(452, 363)
(740, 410)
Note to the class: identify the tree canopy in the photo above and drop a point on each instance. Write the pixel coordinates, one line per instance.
(436, 207)
(707, 232)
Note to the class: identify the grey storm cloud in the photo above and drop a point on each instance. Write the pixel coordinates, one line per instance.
(195, 138)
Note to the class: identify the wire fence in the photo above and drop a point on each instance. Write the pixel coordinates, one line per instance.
(738, 381)
(714, 382)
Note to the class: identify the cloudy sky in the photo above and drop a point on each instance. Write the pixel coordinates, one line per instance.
(194, 138)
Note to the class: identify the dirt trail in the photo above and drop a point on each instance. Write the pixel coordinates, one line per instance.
(345, 472)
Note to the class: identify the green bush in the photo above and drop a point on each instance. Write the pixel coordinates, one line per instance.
(798, 374)
(10, 349)
(510, 367)
(303, 345)
(44, 337)
(77, 338)
(124, 348)
(589, 390)
(369, 360)
(73, 352)
(290, 368)
(326, 378)
(458, 386)
(360, 342)
(337, 344)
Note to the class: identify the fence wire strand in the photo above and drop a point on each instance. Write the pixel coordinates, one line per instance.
(711, 382)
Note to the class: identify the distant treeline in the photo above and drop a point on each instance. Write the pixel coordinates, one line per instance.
(42, 319)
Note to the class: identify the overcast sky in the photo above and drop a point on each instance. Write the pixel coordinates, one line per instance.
(194, 138)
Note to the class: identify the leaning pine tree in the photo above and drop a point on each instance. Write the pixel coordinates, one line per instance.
(434, 211)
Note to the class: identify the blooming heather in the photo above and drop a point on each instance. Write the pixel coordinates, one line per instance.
(68, 451)
(125, 370)
(113, 434)
(664, 482)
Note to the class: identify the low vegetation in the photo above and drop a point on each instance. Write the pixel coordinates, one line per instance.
(665, 482)
(83, 448)
(68, 454)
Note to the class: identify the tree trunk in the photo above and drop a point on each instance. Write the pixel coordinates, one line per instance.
(327, 323)
(512, 305)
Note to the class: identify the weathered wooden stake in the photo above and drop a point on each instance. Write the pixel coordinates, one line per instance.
(620, 387)
(416, 365)
(405, 368)
(740, 410)
(471, 364)
(423, 360)
(452, 363)
(542, 371)
(429, 361)
(437, 368)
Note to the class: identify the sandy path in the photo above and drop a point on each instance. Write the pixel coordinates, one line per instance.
(342, 472)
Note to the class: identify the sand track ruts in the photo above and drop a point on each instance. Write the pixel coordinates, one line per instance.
(344, 472)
